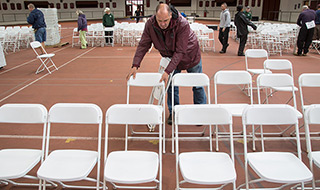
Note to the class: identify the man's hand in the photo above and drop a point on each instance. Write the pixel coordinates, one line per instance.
(223, 29)
(132, 72)
(164, 77)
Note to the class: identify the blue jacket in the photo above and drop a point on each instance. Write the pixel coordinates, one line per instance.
(82, 22)
(318, 17)
(36, 18)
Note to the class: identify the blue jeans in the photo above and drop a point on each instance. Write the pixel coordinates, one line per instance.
(199, 96)
(41, 35)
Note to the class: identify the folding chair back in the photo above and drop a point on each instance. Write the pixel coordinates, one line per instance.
(133, 167)
(17, 163)
(204, 168)
(35, 45)
(308, 80)
(71, 165)
(255, 54)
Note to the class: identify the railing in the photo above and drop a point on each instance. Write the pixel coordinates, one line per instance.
(283, 16)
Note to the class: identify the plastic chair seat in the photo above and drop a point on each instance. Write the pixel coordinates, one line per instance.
(235, 109)
(46, 55)
(131, 167)
(16, 163)
(259, 71)
(316, 158)
(68, 165)
(279, 167)
(208, 168)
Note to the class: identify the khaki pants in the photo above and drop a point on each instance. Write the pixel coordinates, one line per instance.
(83, 40)
(316, 34)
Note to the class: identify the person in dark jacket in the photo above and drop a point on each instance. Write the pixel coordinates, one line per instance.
(242, 22)
(172, 36)
(306, 21)
(137, 13)
(108, 22)
(36, 18)
(82, 28)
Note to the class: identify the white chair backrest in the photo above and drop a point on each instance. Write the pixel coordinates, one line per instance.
(75, 113)
(269, 114)
(275, 80)
(309, 80)
(312, 114)
(278, 64)
(145, 79)
(190, 79)
(204, 114)
(35, 44)
(23, 113)
(256, 53)
(232, 77)
(137, 114)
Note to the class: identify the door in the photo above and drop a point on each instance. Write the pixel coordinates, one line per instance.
(271, 10)
(132, 5)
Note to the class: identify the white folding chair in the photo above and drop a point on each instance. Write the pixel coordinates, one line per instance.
(17, 162)
(204, 168)
(255, 54)
(277, 81)
(69, 165)
(45, 58)
(75, 37)
(315, 45)
(148, 80)
(111, 35)
(132, 167)
(272, 166)
(312, 117)
(311, 82)
(190, 80)
(232, 77)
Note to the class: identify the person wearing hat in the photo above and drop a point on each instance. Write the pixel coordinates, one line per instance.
(82, 28)
(248, 13)
(108, 21)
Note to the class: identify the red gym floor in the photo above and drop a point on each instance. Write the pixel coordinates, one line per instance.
(97, 75)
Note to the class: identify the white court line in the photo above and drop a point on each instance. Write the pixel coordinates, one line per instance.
(38, 79)
(5, 71)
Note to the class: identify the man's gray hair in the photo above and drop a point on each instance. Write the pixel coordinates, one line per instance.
(225, 4)
(163, 5)
(31, 6)
(304, 7)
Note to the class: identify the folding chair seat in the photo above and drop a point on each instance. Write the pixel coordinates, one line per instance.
(148, 80)
(273, 166)
(17, 162)
(190, 80)
(232, 77)
(69, 165)
(126, 168)
(204, 168)
(312, 119)
(45, 58)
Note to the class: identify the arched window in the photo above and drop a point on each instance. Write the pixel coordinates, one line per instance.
(246, 3)
(200, 3)
(114, 5)
(19, 6)
(4, 6)
(108, 4)
(13, 6)
(101, 5)
(148, 3)
(58, 5)
(259, 3)
(51, 5)
(253, 3)
(65, 5)
(213, 3)
(71, 5)
(240, 2)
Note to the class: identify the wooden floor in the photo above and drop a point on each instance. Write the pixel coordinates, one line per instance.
(97, 75)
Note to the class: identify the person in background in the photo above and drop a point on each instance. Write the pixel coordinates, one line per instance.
(242, 22)
(316, 35)
(248, 13)
(138, 13)
(108, 21)
(82, 28)
(172, 36)
(36, 18)
(224, 25)
(306, 21)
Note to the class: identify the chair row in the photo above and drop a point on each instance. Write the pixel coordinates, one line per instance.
(132, 167)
